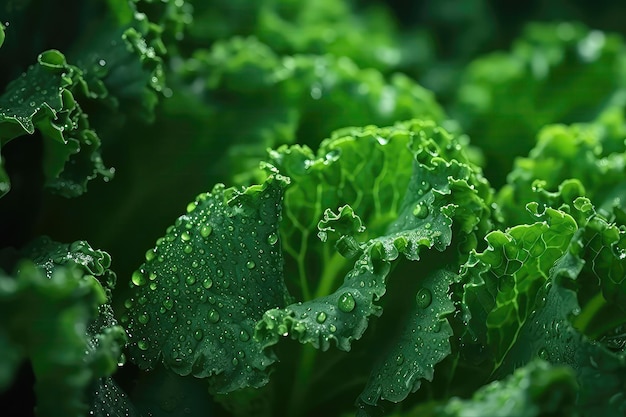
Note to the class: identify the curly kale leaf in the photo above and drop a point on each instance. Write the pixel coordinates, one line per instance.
(555, 73)
(197, 297)
(300, 96)
(508, 283)
(105, 337)
(423, 343)
(409, 177)
(121, 67)
(592, 153)
(44, 98)
(368, 36)
(502, 282)
(537, 389)
(550, 335)
(48, 320)
(411, 186)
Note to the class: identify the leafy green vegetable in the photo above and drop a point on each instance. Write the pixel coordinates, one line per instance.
(54, 335)
(199, 315)
(424, 212)
(537, 389)
(555, 73)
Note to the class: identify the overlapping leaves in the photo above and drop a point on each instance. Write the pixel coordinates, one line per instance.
(592, 153)
(298, 96)
(411, 189)
(555, 73)
(67, 331)
(51, 95)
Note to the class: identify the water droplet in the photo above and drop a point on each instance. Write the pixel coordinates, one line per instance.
(191, 206)
(332, 328)
(185, 236)
(250, 264)
(188, 249)
(244, 336)
(190, 280)
(102, 62)
(153, 286)
(399, 359)
(198, 335)
(205, 231)
(423, 298)
(168, 303)
(544, 354)
(346, 302)
(420, 211)
(138, 278)
(214, 316)
(272, 238)
(142, 344)
(143, 318)
(321, 317)
(150, 254)
(207, 283)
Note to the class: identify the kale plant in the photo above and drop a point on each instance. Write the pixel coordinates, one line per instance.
(281, 208)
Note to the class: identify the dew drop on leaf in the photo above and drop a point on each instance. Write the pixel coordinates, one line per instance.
(138, 278)
(185, 236)
(250, 264)
(198, 335)
(321, 317)
(142, 344)
(150, 254)
(214, 316)
(207, 283)
(346, 302)
(420, 211)
(205, 231)
(272, 238)
(244, 336)
(190, 280)
(143, 318)
(423, 298)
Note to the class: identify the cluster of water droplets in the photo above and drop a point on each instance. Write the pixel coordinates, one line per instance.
(204, 285)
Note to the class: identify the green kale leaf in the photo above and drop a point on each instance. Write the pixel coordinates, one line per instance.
(197, 297)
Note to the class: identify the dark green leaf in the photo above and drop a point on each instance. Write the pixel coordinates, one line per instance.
(216, 271)
(423, 343)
